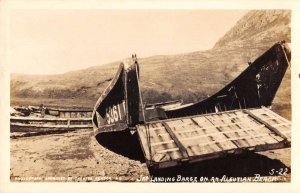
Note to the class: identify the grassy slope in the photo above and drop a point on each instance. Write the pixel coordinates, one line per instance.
(191, 76)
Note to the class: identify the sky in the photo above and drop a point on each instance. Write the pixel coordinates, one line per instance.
(58, 41)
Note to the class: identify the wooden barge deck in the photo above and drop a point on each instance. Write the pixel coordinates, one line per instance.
(172, 142)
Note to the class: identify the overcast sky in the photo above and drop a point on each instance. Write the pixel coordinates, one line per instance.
(58, 41)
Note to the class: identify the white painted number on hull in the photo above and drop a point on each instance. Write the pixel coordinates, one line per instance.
(114, 113)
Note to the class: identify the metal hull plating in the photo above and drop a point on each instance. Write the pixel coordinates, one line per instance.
(254, 87)
(118, 107)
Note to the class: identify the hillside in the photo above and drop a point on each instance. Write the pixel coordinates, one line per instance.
(190, 76)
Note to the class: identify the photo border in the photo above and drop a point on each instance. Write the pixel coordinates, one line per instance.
(7, 186)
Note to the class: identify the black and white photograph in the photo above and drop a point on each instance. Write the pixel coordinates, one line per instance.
(149, 96)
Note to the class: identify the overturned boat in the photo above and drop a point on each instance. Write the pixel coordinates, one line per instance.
(234, 120)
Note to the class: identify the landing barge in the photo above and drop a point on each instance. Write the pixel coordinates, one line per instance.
(236, 119)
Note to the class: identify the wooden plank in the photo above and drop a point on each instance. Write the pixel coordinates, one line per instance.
(281, 124)
(221, 117)
(157, 128)
(265, 123)
(49, 126)
(227, 146)
(270, 113)
(175, 155)
(275, 114)
(19, 127)
(200, 116)
(286, 132)
(71, 110)
(215, 126)
(168, 150)
(233, 139)
(224, 132)
(143, 140)
(177, 142)
(47, 119)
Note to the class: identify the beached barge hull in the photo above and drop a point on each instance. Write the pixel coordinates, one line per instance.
(233, 120)
(254, 87)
